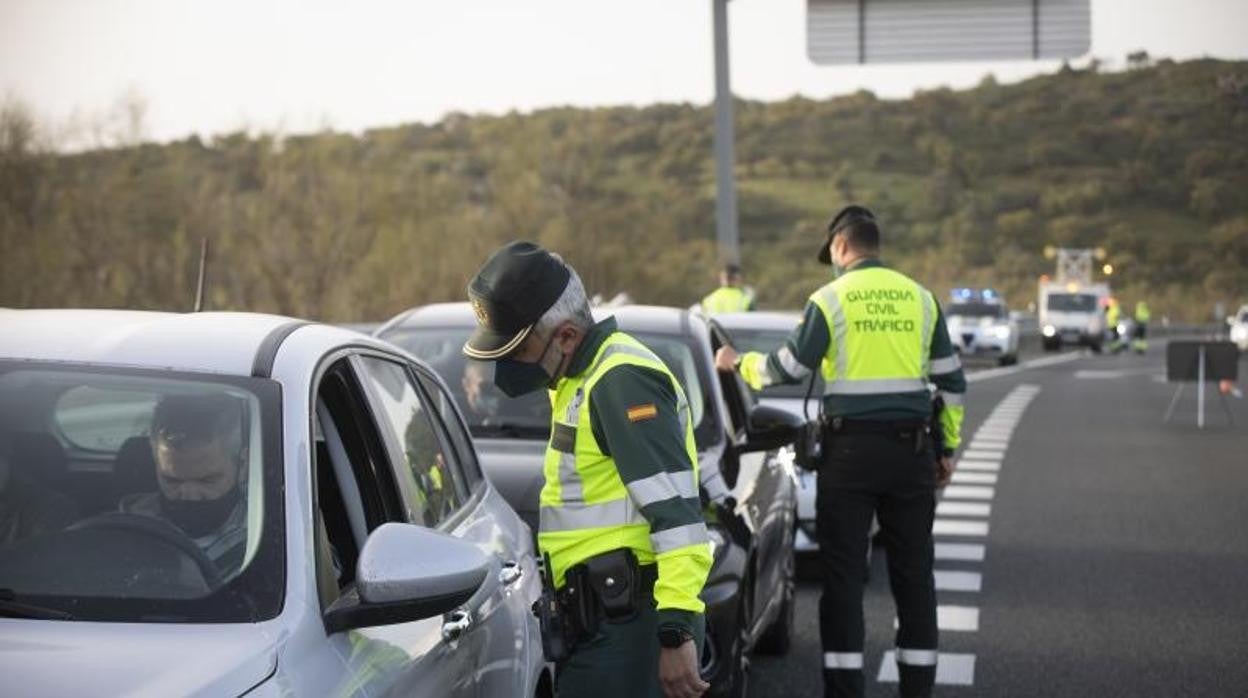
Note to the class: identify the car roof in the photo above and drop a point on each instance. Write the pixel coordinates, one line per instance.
(216, 342)
(762, 320)
(637, 318)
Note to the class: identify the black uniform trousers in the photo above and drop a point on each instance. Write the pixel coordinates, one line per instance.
(885, 475)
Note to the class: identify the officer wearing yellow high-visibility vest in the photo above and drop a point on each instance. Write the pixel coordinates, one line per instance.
(620, 513)
(732, 296)
(877, 337)
(1139, 343)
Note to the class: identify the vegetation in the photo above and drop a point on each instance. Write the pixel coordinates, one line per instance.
(1150, 163)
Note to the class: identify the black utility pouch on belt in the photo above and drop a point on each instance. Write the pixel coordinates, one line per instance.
(606, 587)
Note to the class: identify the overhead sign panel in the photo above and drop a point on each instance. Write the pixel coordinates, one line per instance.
(920, 31)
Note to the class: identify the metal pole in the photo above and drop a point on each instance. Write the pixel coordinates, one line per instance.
(203, 275)
(726, 189)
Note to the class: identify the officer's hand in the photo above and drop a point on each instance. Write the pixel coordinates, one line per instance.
(726, 359)
(678, 672)
(944, 470)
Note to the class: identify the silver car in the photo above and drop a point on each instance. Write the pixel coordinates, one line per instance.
(222, 504)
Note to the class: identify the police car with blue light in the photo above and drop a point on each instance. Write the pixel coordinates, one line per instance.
(980, 325)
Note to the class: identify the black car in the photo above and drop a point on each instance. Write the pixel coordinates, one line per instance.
(749, 593)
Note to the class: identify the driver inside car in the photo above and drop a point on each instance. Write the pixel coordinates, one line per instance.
(197, 443)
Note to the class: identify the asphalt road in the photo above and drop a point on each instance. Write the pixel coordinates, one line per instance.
(1115, 561)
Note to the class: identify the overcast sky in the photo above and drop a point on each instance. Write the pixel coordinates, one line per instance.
(214, 66)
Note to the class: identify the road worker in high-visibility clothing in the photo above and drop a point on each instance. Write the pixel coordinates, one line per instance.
(878, 338)
(732, 296)
(620, 516)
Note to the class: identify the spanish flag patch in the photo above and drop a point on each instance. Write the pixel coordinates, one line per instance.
(639, 413)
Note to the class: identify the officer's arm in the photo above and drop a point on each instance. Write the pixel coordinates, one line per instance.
(802, 353)
(633, 414)
(946, 373)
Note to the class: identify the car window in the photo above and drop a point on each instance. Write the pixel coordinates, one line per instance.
(487, 410)
(183, 524)
(355, 492)
(425, 466)
(1072, 302)
(465, 455)
(102, 419)
(977, 310)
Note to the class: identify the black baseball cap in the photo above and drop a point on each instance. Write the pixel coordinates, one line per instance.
(509, 294)
(847, 216)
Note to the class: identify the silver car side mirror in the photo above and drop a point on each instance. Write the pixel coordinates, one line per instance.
(407, 573)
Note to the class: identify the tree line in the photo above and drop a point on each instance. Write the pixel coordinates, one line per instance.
(1150, 163)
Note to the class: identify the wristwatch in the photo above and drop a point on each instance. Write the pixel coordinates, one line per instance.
(671, 638)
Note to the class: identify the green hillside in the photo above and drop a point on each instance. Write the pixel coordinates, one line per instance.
(1151, 164)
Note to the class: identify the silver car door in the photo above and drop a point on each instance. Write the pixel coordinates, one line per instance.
(414, 658)
(433, 489)
(512, 651)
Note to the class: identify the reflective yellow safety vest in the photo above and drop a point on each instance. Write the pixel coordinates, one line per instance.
(881, 325)
(1112, 313)
(1141, 312)
(726, 299)
(587, 510)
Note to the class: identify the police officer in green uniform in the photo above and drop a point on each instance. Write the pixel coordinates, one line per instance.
(620, 516)
(732, 296)
(877, 337)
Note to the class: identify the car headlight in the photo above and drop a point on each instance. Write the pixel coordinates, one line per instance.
(1049, 330)
(1001, 332)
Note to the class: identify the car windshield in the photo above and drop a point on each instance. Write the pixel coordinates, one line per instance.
(139, 496)
(1072, 302)
(766, 341)
(975, 310)
(490, 413)
(1243, 316)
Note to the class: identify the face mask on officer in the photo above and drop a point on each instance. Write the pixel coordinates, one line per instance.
(516, 377)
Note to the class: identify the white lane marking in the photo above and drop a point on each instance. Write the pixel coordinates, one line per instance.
(964, 509)
(997, 449)
(988, 465)
(967, 492)
(951, 580)
(1034, 363)
(951, 669)
(974, 478)
(967, 552)
(955, 527)
(958, 619)
(981, 455)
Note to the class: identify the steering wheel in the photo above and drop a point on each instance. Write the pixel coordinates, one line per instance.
(155, 527)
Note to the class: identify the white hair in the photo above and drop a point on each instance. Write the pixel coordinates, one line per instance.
(571, 306)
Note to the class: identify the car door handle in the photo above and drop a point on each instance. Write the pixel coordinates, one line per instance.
(510, 573)
(454, 624)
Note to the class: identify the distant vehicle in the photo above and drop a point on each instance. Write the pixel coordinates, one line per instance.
(1071, 313)
(1239, 328)
(981, 325)
(355, 475)
(750, 591)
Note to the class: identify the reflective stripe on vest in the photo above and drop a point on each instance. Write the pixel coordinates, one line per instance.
(586, 508)
(880, 324)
